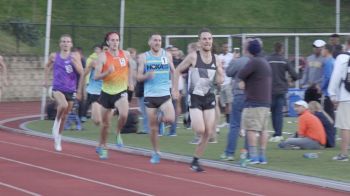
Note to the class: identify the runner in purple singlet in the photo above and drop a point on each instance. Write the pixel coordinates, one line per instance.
(66, 66)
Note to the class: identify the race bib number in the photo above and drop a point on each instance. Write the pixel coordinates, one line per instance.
(69, 68)
(122, 62)
(164, 60)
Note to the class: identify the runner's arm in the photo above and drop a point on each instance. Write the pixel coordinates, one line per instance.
(219, 71)
(76, 58)
(141, 75)
(184, 65)
(48, 68)
(98, 72)
(131, 84)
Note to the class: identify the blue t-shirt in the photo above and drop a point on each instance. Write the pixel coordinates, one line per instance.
(327, 73)
(159, 85)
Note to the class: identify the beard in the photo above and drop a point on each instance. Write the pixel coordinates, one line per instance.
(206, 49)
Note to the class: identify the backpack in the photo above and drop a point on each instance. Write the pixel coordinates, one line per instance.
(131, 124)
(347, 77)
(51, 110)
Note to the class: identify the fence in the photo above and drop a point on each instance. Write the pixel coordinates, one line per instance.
(15, 38)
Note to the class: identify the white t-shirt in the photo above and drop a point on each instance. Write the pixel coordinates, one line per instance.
(226, 59)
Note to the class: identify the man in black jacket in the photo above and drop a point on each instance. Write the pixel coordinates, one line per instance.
(279, 66)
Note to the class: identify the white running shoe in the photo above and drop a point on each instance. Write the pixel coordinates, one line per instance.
(276, 139)
(58, 146)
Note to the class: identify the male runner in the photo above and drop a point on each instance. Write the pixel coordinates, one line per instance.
(154, 69)
(113, 68)
(204, 70)
(66, 67)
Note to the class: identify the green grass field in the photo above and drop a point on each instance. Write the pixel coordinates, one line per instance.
(279, 160)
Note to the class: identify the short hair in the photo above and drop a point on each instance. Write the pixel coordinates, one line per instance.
(66, 35)
(97, 46)
(204, 30)
(131, 50)
(329, 48)
(348, 40)
(193, 45)
(278, 47)
(334, 35)
(154, 33)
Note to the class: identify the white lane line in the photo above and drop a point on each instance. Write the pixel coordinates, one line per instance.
(75, 176)
(137, 169)
(19, 189)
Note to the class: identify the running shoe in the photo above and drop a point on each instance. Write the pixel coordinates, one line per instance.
(225, 157)
(98, 149)
(213, 141)
(195, 140)
(103, 154)
(119, 143)
(341, 157)
(155, 159)
(196, 167)
(254, 160)
(58, 139)
(276, 139)
(262, 160)
(171, 134)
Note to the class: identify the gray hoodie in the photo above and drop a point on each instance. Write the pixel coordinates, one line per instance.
(232, 71)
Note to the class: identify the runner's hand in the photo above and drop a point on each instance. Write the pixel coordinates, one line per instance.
(150, 75)
(79, 95)
(241, 85)
(111, 69)
(175, 94)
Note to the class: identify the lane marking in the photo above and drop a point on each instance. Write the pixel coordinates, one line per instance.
(19, 189)
(76, 176)
(136, 169)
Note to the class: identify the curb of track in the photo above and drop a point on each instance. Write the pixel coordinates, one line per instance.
(309, 180)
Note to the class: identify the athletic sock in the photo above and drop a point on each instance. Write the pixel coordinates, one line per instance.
(253, 153)
(262, 152)
(195, 160)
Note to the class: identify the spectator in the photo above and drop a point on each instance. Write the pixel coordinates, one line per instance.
(257, 78)
(313, 70)
(279, 66)
(311, 134)
(327, 72)
(237, 105)
(336, 47)
(226, 88)
(73, 117)
(175, 52)
(327, 122)
(341, 99)
(93, 87)
(81, 102)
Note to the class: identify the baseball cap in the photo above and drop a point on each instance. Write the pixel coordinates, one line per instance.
(169, 47)
(302, 103)
(254, 47)
(318, 43)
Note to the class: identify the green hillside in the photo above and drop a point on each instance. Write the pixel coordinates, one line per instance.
(88, 20)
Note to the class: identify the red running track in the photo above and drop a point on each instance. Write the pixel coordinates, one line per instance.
(30, 166)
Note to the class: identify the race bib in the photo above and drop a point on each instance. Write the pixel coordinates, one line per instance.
(69, 68)
(164, 60)
(122, 62)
